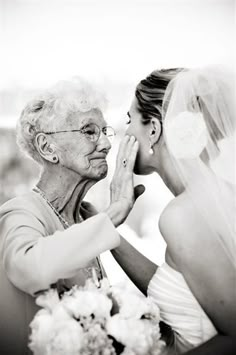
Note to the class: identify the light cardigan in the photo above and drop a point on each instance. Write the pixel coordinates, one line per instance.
(36, 252)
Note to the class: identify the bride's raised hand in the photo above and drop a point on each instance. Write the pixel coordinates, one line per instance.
(123, 193)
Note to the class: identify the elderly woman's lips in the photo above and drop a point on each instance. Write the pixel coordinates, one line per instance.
(99, 158)
(98, 161)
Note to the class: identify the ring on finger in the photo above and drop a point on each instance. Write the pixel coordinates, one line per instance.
(124, 162)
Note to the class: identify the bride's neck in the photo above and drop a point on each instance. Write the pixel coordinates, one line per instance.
(172, 182)
(168, 173)
(65, 190)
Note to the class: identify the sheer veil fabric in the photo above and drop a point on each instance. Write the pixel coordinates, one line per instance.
(199, 127)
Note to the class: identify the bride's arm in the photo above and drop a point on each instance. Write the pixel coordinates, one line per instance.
(137, 267)
(218, 345)
(207, 270)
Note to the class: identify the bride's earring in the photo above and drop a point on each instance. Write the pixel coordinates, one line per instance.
(151, 151)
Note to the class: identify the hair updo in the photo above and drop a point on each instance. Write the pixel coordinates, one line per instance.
(206, 90)
(150, 93)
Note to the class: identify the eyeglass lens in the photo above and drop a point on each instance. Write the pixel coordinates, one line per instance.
(92, 132)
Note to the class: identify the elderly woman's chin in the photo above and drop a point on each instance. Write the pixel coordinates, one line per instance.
(100, 171)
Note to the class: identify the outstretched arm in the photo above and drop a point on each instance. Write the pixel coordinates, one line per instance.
(137, 267)
(34, 260)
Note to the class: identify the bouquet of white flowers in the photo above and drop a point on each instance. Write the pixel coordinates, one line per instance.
(93, 320)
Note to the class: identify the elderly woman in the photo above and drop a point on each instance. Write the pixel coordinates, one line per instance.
(46, 239)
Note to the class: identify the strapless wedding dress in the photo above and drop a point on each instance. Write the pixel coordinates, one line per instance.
(180, 309)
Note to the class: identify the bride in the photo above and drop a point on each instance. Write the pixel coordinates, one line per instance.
(184, 121)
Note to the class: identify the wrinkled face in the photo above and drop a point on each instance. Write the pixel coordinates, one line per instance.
(141, 132)
(77, 151)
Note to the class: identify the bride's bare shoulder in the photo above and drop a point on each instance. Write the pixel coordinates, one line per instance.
(177, 211)
(180, 223)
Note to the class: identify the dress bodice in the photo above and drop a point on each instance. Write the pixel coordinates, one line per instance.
(180, 309)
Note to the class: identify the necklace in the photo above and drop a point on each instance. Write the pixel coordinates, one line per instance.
(97, 272)
(62, 219)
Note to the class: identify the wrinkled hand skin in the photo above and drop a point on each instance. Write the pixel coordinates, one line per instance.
(123, 193)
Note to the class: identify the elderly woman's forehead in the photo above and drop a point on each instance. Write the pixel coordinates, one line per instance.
(94, 115)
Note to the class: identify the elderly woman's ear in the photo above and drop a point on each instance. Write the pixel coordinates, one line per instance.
(45, 148)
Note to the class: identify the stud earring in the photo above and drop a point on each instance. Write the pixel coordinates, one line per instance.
(54, 158)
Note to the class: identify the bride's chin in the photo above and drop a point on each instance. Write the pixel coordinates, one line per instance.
(138, 170)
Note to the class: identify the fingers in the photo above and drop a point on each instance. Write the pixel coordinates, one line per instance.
(132, 153)
(127, 152)
(123, 194)
(122, 149)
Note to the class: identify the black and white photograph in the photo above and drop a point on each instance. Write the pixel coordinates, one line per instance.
(117, 177)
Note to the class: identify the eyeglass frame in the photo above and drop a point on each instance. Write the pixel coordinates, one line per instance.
(101, 130)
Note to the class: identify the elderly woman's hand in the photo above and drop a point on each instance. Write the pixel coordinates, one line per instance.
(123, 193)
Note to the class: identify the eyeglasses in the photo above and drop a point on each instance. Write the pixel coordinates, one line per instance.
(92, 132)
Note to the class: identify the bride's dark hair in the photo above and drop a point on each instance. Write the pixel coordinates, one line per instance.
(150, 93)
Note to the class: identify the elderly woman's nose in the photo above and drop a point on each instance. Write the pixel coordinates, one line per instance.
(104, 141)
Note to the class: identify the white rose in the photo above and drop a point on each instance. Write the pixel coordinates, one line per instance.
(48, 299)
(67, 338)
(186, 135)
(41, 332)
(104, 306)
(85, 303)
(136, 334)
(60, 313)
(135, 306)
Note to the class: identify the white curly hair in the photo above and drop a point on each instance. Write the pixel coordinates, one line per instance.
(51, 108)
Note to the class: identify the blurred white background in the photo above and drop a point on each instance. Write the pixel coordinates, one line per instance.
(115, 43)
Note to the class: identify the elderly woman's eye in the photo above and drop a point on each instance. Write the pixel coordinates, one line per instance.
(89, 130)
